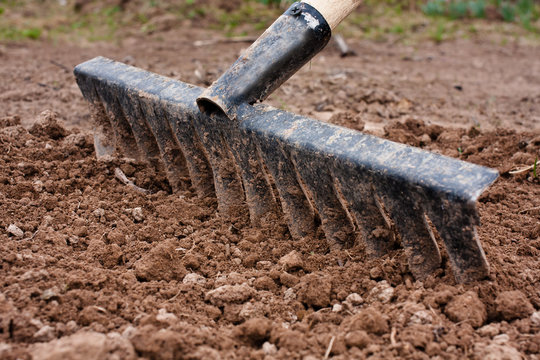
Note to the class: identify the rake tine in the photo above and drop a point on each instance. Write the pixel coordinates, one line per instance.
(171, 154)
(335, 221)
(296, 207)
(125, 142)
(131, 106)
(416, 235)
(181, 121)
(456, 223)
(258, 191)
(358, 192)
(227, 181)
(104, 138)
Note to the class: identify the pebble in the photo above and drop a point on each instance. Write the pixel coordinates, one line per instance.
(421, 317)
(535, 318)
(38, 186)
(194, 278)
(138, 214)
(71, 326)
(227, 294)
(489, 330)
(354, 299)
(99, 212)
(46, 333)
(292, 261)
(337, 308)
(501, 339)
(289, 294)
(383, 292)
(167, 317)
(376, 273)
(269, 348)
(48, 294)
(15, 231)
(264, 265)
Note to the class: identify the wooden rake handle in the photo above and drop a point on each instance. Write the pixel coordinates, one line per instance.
(334, 11)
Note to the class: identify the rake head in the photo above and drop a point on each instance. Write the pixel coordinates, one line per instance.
(362, 188)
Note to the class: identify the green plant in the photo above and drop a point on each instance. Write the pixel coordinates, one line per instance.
(477, 8)
(434, 8)
(438, 34)
(458, 9)
(508, 11)
(31, 33)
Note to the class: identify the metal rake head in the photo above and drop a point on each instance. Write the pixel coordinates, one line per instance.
(360, 186)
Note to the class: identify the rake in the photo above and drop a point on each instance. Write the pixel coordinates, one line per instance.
(224, 143)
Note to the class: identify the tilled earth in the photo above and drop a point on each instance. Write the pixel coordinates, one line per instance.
(92, 269)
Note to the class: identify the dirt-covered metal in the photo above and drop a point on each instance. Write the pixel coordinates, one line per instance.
(363, 188)
(287, 45)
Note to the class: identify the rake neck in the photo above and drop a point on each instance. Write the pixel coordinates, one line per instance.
(287, 45)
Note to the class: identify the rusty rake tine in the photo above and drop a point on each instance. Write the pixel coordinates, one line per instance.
(296, 207)
(416, 236)
(144, 138)
(123, 135)
(227, 181)
(335, 221)
(104, 137)
(259, 196)
(456, 223)
(171, 154)
(358, 192)
(181, 122)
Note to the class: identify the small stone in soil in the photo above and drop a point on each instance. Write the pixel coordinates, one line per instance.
(292, 261)
(138, 214)
(15, 231)
(489, 330)
(535, 318)
(354, 299)
(230, 294)
(194, 278)
(269, 348)
(49, 294)
(382, 292)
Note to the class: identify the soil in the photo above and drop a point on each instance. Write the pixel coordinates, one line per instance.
(92, 269)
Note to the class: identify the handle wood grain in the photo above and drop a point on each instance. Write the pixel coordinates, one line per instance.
(334, 11)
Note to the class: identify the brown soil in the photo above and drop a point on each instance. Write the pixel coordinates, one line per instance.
(94, 270)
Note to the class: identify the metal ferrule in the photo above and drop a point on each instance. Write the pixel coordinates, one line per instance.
(287, 45)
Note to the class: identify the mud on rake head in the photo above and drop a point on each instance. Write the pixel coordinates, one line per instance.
(357, 184)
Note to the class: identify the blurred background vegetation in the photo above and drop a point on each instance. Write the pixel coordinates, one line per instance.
(387, 20)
